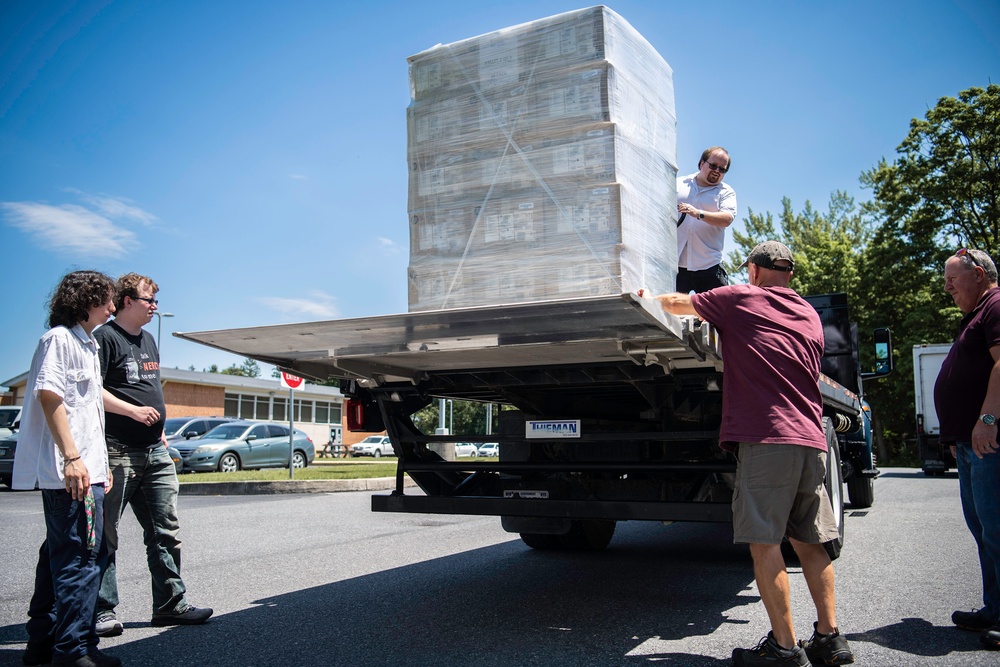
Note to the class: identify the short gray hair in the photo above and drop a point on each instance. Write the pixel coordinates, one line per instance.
(970, 259)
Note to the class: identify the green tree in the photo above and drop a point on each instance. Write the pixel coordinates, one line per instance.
(827, 247)
(464, 417)
(944, 188)
(939, 194)
(249, 368)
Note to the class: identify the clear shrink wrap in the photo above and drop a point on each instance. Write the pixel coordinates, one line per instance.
(542, 165)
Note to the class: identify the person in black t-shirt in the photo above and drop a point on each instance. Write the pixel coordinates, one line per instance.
(144, 474)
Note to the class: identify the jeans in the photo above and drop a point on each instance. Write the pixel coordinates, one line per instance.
(63, 607)
(145, 480)
(979, 486)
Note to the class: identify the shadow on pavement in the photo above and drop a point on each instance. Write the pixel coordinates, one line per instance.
(501, 605)
(917, 636)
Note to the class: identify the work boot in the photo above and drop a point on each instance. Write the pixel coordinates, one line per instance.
(37, 653)
(974, 621)
(831, 649)
(991, 637)
(93, 659)
(767, 652)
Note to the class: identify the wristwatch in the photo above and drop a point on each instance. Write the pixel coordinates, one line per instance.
(701, 215)
(988, 419)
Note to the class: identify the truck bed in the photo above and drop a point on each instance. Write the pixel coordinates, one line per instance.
(409, 346)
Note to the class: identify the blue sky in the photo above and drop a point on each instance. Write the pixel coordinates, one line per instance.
(251, 156)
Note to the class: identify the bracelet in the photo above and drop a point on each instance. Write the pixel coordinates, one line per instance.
(66, 462)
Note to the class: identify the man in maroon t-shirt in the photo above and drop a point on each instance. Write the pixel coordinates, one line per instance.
(772, 342)
(967, 400)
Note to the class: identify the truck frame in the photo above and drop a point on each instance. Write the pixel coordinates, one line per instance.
(611, 409)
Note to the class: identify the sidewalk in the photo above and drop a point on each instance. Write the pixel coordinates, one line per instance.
(290, 486)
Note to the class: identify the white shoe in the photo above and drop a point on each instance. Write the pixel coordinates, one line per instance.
(108, 626)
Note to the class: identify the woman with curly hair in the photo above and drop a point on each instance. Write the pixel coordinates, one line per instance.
(61, 450)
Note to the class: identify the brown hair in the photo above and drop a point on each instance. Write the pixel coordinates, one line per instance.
(708, 153)
(76, 294)
(128, 286)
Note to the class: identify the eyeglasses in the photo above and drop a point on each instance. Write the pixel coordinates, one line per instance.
(151, 302)
(714, 167)
(964, 252)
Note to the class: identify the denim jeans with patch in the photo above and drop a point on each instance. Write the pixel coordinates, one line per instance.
(146, 481)
(62, 611)
(979, 486)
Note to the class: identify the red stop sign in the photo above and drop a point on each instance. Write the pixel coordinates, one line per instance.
(291, 381)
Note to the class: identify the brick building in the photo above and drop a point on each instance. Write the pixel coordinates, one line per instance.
(318, 410)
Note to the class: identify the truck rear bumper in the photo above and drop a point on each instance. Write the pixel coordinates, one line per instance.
(569, 509)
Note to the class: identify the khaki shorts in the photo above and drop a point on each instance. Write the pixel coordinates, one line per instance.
(779, 492)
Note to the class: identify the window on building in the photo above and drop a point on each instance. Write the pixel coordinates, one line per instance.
(280, 409)
(251, 406)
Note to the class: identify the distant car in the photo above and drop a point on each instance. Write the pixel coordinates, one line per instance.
(10, 419)
(489, 449)
(374, 445)
(7, 447)
(185, 428)
(236, 445)
(175, 456)
(465, 450)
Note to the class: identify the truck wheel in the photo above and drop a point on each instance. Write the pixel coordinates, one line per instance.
(541, 541)
(861, 491)
(588, 535)
(834, 487)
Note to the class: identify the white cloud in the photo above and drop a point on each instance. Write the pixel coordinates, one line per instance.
(316, 305)
(298, 177)
(389, 246)
(93, 229)
(70, 229)
(118, 208)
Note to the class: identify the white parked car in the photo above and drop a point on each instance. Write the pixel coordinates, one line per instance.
(489, 449)
(374, 445)
(465, 449)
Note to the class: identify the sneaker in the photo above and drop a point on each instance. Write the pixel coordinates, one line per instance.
(767, 652)
(971, 620)
(39, 653)
(831, 649)
(187, 615)
(108, 625)
(93, 659)
(991, 637)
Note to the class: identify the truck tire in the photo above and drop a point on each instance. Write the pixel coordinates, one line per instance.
(588, 535)
(861, 491)
(583, 535)
(834, 487)
(541, 541)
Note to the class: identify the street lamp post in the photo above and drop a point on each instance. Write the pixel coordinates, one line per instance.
(159, 326)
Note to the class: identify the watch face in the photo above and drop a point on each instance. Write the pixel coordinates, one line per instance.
(988, 419)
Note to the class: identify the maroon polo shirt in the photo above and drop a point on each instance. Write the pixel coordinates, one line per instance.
(965, 374)
(772, 343)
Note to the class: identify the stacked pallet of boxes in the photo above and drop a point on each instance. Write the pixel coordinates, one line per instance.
(542, 165)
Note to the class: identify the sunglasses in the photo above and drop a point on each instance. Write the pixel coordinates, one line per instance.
(714, 167)
(964, 252)
(151, 302)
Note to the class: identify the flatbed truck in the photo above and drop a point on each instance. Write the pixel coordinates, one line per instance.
(611, 409)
